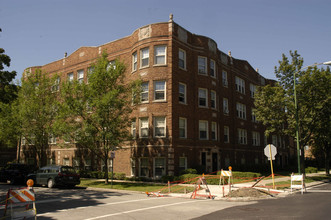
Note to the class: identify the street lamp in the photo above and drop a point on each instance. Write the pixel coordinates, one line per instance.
(296, 110)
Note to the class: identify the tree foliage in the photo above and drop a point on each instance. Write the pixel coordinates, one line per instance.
(97, 114)
(8, 90)
(37, 109)
(275, 103)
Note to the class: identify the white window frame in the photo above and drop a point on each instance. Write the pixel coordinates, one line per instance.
(182, 127)
(133, 128)
(156, 126)
(252, 89)
(133, 166)
(182, 94)
(180, 165)
(80, 76)
(70, 77)
(253, 115)
(202, 65)
(144, 56)
(143, 167)
(241, 110)
(242, 136)
(227, 134)
(240, 85)
(160, 91)
(225, 78)
(213, 99)
(56, 86)
(205, 126)
(144, 90)
(155, 166)
(256, 138)
(225, 106)
(160, 54)
(134, 61)
(214, 131)
(182, 58)
(212, 68)
(205, 91)
(143, 124)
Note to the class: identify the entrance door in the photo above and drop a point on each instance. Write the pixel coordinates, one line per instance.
(215, 162)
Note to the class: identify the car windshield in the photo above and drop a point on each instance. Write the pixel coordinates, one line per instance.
(68, 170)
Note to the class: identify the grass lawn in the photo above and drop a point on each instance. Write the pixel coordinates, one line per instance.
(287, 184)
(134, 186)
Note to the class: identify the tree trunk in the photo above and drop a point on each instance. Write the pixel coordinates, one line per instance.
(327, 163)
(106, 170)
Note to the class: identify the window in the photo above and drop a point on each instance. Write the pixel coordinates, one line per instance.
(159, 167)
(182, 127)
(159, 126)
(202, 65)
(213, 99)
(134, 61)
(226, 134)
(203, 130)
(144, 57)
(240, 85)
(111, 64)
(52, 139)
(252, 89)
(256, 138)
(212, 68)
(144, 171)
(159, 91)
(133, 128)
(225, 78)
(214, 131)
(160, 55)
(203, 99)
(182, 93)
(241, 110)
(56, 86)
(66, 162)
(143, 124)
(90, 70)
(76, 163)
(182, 163)
(225, 106)
(133, 167)
(182, 59)
(80, 74)
(144, 92)
(253, 115)
(242, 136)
(70, 77)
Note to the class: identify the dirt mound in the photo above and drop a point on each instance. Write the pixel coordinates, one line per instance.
(248, 192)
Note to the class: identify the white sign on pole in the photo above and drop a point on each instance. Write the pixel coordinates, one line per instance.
(273, 150)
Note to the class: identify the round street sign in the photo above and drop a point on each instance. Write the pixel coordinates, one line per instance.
(273, 151)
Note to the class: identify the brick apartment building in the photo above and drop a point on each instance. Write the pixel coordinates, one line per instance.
(195, 110)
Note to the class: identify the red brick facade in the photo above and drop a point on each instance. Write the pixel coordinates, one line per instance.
(183, 115)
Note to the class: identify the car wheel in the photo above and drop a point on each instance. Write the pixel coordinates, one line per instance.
(50, 183)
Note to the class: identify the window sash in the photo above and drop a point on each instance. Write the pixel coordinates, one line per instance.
(144, 127)
(160, 54)
(202, 65)
(182, 59)
(144, 57)
(134, 61)
(182, 93)
(182, 127)
(144, 92)
(159, 126)
(214, 131)
(212, 68)
(226, 134)
(213, 99)
(203, 97)
(159, 90)
(203, 130)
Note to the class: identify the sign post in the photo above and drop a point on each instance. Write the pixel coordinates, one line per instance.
(270, 151)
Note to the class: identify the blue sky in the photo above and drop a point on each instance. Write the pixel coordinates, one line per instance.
(37, 32)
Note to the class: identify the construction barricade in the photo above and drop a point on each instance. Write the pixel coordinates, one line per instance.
(298, 182)
(201, 184)
(224, 174)
(21, 203)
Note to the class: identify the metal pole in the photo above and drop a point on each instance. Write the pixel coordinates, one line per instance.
(297, 123)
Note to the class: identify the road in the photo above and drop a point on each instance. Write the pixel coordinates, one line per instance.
(92, 204)
(315, 204)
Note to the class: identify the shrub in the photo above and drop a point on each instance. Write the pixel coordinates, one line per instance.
(189, 171)
(311, 170)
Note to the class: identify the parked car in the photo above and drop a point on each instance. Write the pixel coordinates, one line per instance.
(16, 173)
(54, 175)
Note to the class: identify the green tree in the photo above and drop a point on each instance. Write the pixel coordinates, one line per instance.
(275, 104)
(97, 114)
(37, 109)
(8, 90)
